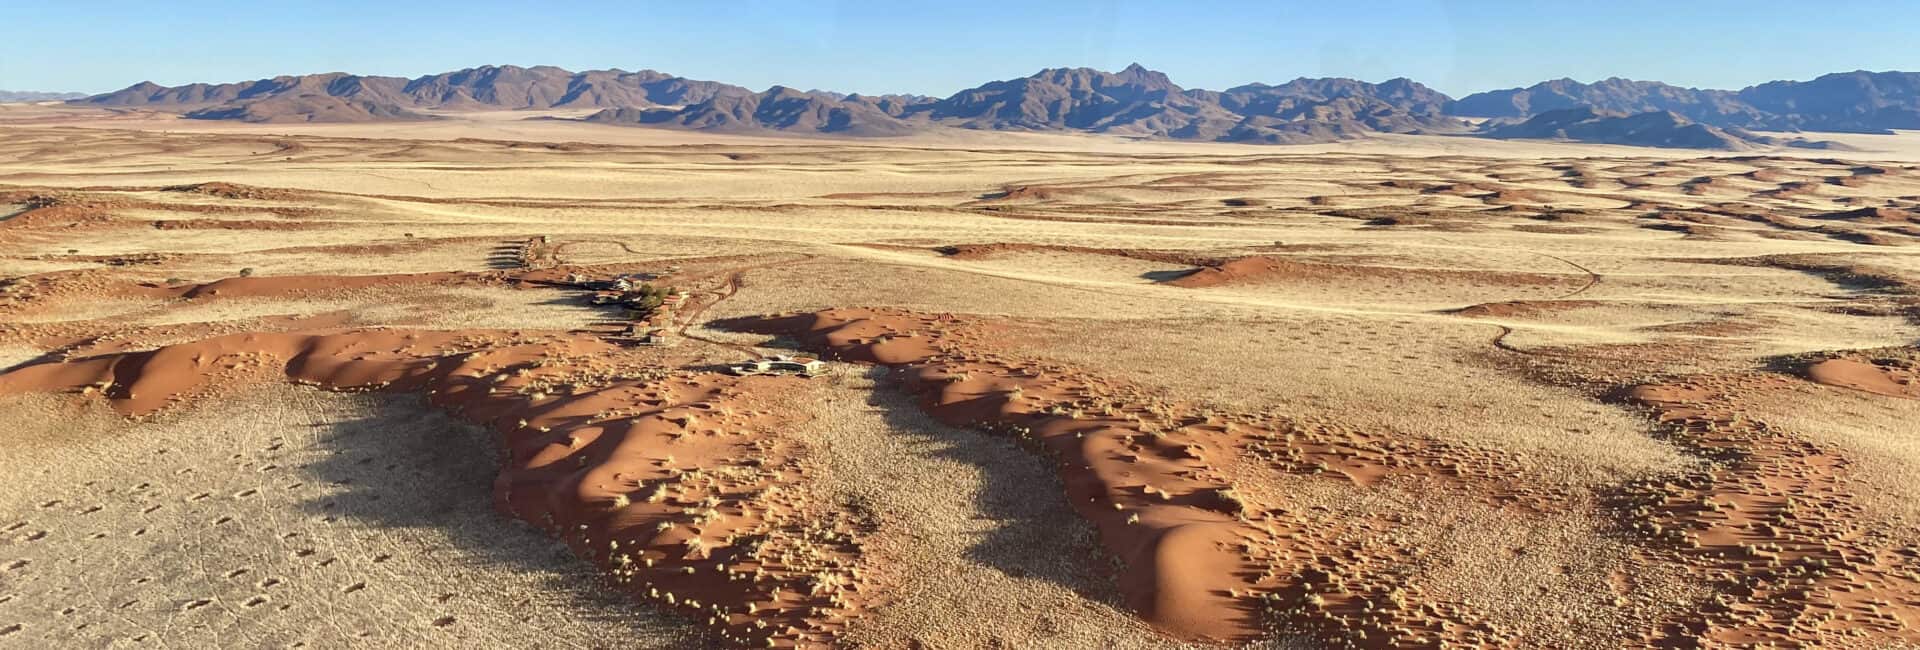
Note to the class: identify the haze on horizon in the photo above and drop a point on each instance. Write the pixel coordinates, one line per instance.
(1455, 47)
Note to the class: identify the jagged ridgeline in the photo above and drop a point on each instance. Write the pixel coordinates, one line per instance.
(1134, 102)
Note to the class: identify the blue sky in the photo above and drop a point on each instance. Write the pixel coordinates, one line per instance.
(1457, 47)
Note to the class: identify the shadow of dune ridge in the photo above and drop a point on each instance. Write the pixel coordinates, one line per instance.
(1019, 490)
(410, 467)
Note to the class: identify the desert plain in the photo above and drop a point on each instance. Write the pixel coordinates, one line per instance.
(346, 386)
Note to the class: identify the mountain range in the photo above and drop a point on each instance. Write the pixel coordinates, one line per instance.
(1859, 102)
(1135, 102)
(341, 97)
(35, 96)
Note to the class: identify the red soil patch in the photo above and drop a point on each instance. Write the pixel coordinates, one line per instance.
(1891, 377)
(51, 209)
(28, 293)
(1771, 524)
(237, 191)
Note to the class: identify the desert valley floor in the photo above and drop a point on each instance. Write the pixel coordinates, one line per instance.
(348, 390)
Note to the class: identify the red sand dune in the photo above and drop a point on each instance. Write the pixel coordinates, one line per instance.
(622, 469)
(1202, 562)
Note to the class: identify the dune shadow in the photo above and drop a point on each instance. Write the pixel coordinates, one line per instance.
(1168, 275)
(412, 467)
(1039, 535)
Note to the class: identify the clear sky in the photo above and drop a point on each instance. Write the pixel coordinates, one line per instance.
(936, 48)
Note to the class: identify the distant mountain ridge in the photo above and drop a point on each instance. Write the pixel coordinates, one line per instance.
(1649, 129)
(36, 96)
(341, 97)
(778, 108)
(1858, 101)
(1134, 102)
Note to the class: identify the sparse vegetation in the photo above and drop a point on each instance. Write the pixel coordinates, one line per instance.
(1405, 439)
